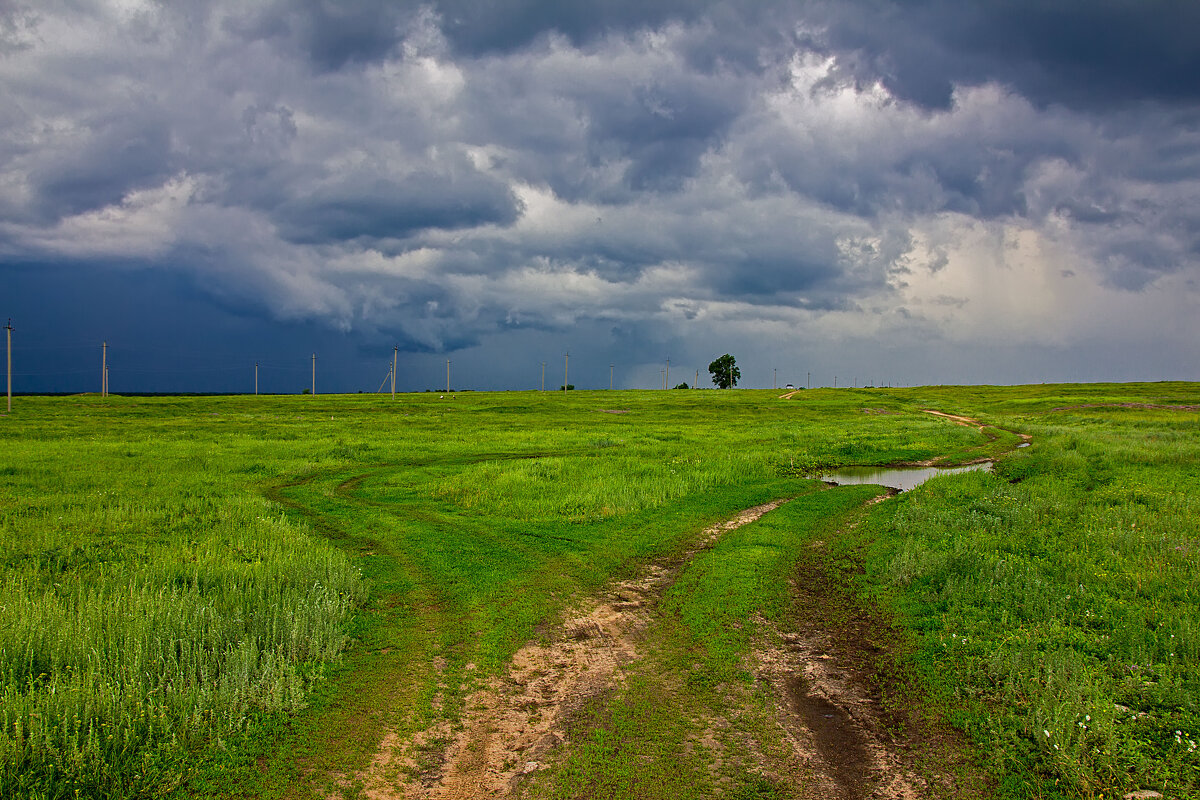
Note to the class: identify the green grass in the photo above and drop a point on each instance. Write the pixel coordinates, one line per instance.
(236, 596)
(1056, 600)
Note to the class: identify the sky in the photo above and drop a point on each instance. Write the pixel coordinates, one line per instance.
(899, 192)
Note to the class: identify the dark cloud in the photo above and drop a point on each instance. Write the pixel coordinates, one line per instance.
(378, 208)
(494, 25)
(648, 176)
(1086, 55)
(110, 157)
(331, 35)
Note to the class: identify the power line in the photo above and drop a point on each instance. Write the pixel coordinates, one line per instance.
(9, 329)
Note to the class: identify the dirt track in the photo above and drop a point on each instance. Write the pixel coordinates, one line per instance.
(515, 722)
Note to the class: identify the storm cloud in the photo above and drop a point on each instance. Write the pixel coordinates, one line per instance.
(873, 183)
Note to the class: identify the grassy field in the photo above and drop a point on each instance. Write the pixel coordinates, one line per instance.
(239, 596)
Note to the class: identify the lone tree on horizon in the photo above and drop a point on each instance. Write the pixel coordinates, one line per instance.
(725, 373)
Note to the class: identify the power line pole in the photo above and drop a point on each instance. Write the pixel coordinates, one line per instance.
(667, 375)
(395, 350)
(256, 379)
(9, 329)
(566, 364)
(810, 380)
(104, 370)
(775, 379)
(696, 383)
(447, 376)
(314, 375)
(610, 370)
(543, 376)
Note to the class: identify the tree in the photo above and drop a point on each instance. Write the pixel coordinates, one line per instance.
(683, 386)
(725, 373)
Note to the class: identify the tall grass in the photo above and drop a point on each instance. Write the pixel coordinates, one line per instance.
(149, 607)
(1056, 601)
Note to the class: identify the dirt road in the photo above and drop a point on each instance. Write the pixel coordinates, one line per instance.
(828, 702)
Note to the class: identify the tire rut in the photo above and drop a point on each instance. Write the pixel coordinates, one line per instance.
(835, 680)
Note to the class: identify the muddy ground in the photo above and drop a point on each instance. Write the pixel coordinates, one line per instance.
(843, 702)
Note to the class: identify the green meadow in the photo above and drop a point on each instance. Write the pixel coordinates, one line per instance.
(238, 596)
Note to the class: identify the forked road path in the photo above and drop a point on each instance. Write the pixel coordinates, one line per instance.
(515, 724)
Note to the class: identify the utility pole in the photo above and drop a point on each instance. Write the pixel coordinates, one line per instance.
(395, 350)
(543, 376)
(696, 383)
(810, 380)
(256, 379)
(610, 371)
(775, 379)
(314, 375)
(835, 381)
(566, 364)
(9, 328)
(447, 376)
(667, 375)
(104, 370)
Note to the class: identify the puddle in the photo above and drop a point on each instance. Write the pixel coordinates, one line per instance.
(899, 478)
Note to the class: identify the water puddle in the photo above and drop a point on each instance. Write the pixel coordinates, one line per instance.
(899, 478)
